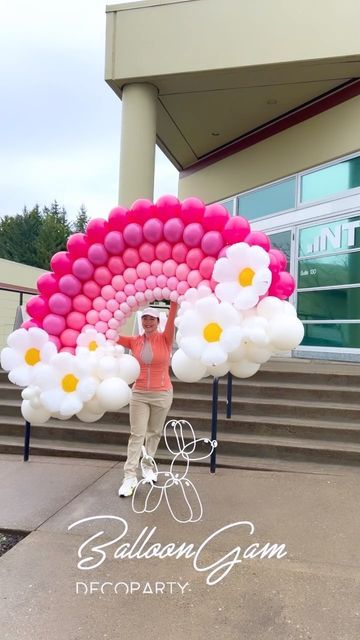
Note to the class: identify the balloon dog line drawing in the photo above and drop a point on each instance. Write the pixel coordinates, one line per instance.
(178, 491)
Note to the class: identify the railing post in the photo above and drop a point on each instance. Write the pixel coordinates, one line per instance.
(229, 395)
(27, 429)
(215, 394)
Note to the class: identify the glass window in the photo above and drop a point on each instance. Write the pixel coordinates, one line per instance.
(325, 182)
(332, 335)
(267, 200)
(333, 304)
(328, 271)
(330, 237)
(229, 205)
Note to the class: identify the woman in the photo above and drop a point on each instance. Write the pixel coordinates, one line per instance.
(152, 393)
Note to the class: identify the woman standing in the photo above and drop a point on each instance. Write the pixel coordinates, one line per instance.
(152, 393)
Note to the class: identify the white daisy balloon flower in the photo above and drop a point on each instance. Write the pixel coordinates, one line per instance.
(209, 331)
(243, 275)
(26, 350)
(89, 341)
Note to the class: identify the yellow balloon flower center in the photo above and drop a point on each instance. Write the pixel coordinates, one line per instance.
(32, 356)
(246, 276)
(69, 382)
(92, 345)
(212, 332)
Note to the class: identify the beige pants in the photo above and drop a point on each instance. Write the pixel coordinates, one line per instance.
(148, 411)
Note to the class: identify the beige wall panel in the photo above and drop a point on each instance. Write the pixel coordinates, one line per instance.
(17, 274)
(325, 137)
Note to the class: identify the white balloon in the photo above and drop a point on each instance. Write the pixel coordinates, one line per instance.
(285, 333)
(87, 416)
(34, 416)
(288, 309)
(93, 406)
(129, 368)
(113, 394)
(270, 307)
(186, 369)
(244, 369)
(58, 416)
(107, 367)
(256, 354)
(218, 370)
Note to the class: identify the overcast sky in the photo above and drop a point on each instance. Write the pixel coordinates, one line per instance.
(60, 122)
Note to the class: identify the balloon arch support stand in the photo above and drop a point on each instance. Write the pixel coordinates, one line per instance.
(230, 284)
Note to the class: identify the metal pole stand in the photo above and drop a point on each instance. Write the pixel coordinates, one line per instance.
(229, 395)
(27, 440)
(215, 394)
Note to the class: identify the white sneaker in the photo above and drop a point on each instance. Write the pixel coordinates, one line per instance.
(127, 487)
(149, 474)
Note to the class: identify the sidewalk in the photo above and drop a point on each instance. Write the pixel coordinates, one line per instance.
(311, 593)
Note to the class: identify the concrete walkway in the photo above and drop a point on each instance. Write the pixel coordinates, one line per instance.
(312, 592)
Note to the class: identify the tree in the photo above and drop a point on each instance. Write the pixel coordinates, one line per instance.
(81, 220)
(53, 234)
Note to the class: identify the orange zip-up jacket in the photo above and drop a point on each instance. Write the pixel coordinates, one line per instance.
(154, 376)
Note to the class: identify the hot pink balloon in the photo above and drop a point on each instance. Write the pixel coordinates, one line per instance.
(70, 285)
(101, 326)
(161, 280)
(37, 307)
(131, 257)
(117, 219)
(206, 267)
(258, 238)
(278, 260)
(153, 230)
(69, 337)
(151, 282)
(114, 242)
(112, 305)
(182, 272)
(156, 267)
(193, 233)
(236, 229)
(83, 268)
(75, 320)
(130, 275)
(169, 267)
(192, 210)
(47, 284)
(212, 242)
(173, 230)
(97, 254)
(215, 217)
(179, 252)
(147, 252)
(77, 245)
(194, 258)
(133, 234)
(163, 251)
(141, 211)
(102, 275)
(91, 289)
(61, 263)
(96, 230)
(118, 283)
(172, 283)
(29, 324)
(99, 303)
(116, 265)
(194, 278)
(105, 315)
(108, 292)
(282, 285)
(60, 303)
(54, 324)
(167, 207)
(92, 317)
(82, 303)
(143, 270)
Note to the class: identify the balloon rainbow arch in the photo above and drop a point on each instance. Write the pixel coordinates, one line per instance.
(230, 284)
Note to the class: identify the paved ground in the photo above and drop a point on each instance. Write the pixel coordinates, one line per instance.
(311, 593)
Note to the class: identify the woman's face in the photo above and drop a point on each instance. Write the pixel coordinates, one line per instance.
(150, 324)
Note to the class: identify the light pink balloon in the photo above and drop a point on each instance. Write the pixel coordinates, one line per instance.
(193, 234)
(118, 315)
(120, 296)
(114, 242)
(75, 320)
(173, 230)
(131, 257)
(83, 269)
(130, 275)
(105, 315)
(158, 293)
(147, 252)
(143, 270)
(182, 272)
(133, 234)
(56, 341)
(149, 295)
(150, 282)
(179, 252)
(139, 297)
(92, 317)
(222, 253)
(91, 289)
(131, 300)
(99, 303)
(102, 276)
(101, 326)
(61, 263)
(206, 267)
(54, 324)
(166, 293)
(153, 230)
(169, 267)
(97, 254)
(81, 303)
(47, 284)
(194, 278)
(29, 324)
(68, 349)
(77, 245)
(156, 267)
(182, 288)
(140, 284)
(174, 296)
(124, 307)
(116, 265)
(111, 334)
(112, 305)
(68, 337)
(129, 290)
(204, 283)
(212, 242)
(172, 283)
(161, 281)
(60, 303)
(163, 251)
(108, 292)
(194, 258)
(118, 283)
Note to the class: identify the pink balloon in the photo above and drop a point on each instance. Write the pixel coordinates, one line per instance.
(105, 315)
(212, 242)
(54, 324)
(118, 283)
(194, 278)
(86, 327)
(97, 254)
(102, 275)
(165, 293)
(163, 251)
(158, 293)
(117, 219)
(68, 349)
(133, 234)
(120, 296)
(140, 297)
(182, 272)
(77, 245)
(169, 267)
(140, 284)
(147, 252)
(153, 230)
(75, 320)
(167, 207)
(92, 316)
(193, 233)
(129, 290)
(143, 270)
(222, 253)
(114, 242)
(131, 301)
(96, 230)
(141, 211)
(37, 307)
(116, 265)
(131, 257)
(70, 285)
(83, 269)
(282, 285)
(172, 283)
(278, 261)
(236, 229)
(99, 304)
(108, 292)
(130, 275)
(47, 284)
(173, 230)
(112, 305)
(258, 238)
(60, 303)
(29, 324)
(156, 267)
(179, 252)
(82, 303)
(101, 326)
(119, 315)
(215, 217)
(68, 337)
(61, 263)
(206, 267)
(113, 323)
(182, 287)
(194, 258)
(150, 282)
(56, 341)
(149, 295)
(91, 289)
(161, 281)
(111, 334)
(124, 307)
(174, 296)
(192, 210)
